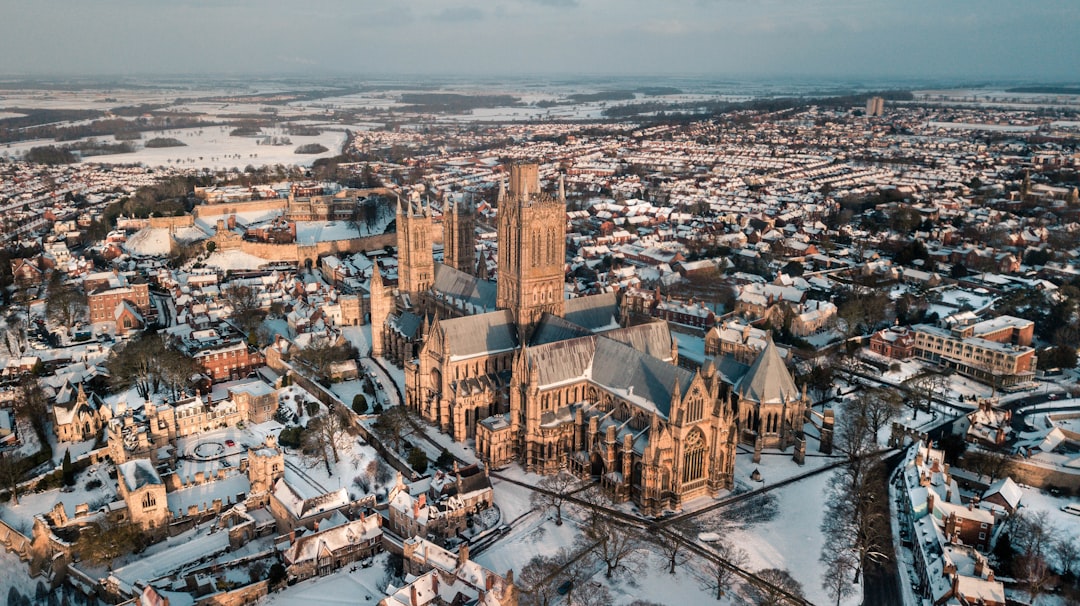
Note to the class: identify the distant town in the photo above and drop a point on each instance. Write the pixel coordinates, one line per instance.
(554, 344)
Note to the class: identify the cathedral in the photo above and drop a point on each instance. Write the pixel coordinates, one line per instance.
(556, 383)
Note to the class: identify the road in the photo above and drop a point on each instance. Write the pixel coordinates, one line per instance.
(881, 582)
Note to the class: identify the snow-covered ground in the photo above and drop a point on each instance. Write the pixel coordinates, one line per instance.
(21, 516)
(1063, 524)
(793, 539)
(150, 242)
(211, 147)
(16, 575)
(234, 259)
(310, 232)
(361, 587)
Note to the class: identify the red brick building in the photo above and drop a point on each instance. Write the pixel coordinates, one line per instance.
(897, 342)
(103, 302)
(229, 362)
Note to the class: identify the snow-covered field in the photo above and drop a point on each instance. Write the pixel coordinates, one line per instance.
(210, 147)
(150, 242)
(234, 259)
(793, 539)
(360, 588)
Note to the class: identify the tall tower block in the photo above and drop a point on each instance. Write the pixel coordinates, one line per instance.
(459, 236)
(532, 249)
(416, 265)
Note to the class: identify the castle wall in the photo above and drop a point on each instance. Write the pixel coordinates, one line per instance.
(228, 208)
(167, 222)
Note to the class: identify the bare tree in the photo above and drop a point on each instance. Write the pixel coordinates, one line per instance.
(32, 406)
(775, 579)
(393, 425)
(553, 491)
(320, 354)
(983, 462)
(1032, 532)
(614, 544)
(838, 580)
(1067, 551)
(325, 436)
(591, 594)
(15, 339)
(924, 388)
(246, 310)
(574, 568)
(879, 406)
(593, 501)
(66, 302)
(722, 577)
(537, 581)
(11, 470)
(672, 540)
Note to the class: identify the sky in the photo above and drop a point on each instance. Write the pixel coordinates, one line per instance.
(1028, 40)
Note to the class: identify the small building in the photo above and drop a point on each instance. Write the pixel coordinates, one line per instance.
(324, 551)
(896, 342)
(143, 492)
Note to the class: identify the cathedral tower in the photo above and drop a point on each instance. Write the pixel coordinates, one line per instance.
(416, 266)
(459, 236)
(380, 304)
(532, 249)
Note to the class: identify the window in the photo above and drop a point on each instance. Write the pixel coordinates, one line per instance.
(694, 457)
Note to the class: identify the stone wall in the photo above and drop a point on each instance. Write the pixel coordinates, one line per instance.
(167, 222)
(248, 594)
(228, 208)
(1039, 476)
(15, 541)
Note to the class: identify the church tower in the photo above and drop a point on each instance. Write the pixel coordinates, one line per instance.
(416, 266)
(459, 236)
(532, 249)
(380, 303)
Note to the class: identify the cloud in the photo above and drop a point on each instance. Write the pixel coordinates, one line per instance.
(398, 15)
(556, 3)
(460, 14)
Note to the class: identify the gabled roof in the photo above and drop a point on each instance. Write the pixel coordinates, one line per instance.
(469, 336)
(651, 338)
(459, 285)
(596, 313)
(1008, 491)
(613, 365)
(552, 328)
(768, 380)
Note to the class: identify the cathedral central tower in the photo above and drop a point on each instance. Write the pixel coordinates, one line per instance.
(532, 249)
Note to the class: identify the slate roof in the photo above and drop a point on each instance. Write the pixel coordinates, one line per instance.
(613, 365)
(552, 328)
(768, 380)
(474, 335)
(596, 312)
(460, 285)
(407, 324)
(652, 338)
(138, 473)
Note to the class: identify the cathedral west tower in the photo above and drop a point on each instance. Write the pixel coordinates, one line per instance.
(459, 236)
(416, 264)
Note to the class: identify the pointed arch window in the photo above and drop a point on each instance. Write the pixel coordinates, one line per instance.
(694, 452)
